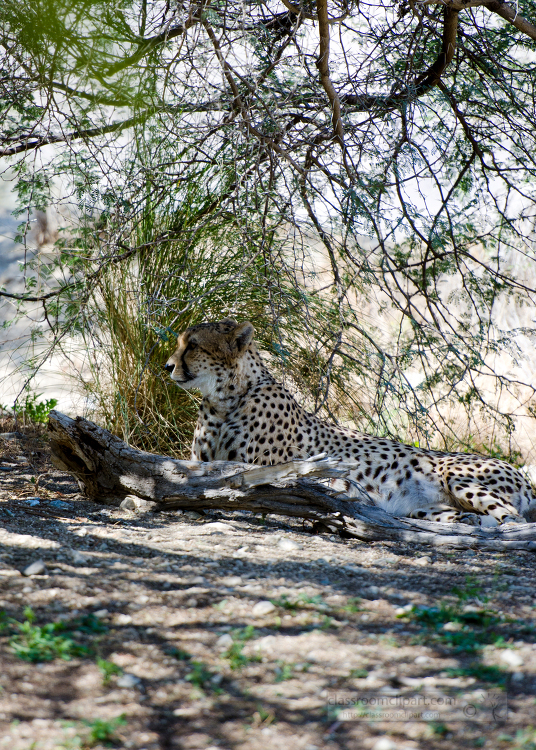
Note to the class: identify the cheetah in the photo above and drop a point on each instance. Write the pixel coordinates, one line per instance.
(246, 415)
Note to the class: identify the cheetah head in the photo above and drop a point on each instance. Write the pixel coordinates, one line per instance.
(208, 354)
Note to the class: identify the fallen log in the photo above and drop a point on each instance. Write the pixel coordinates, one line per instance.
(109, 471)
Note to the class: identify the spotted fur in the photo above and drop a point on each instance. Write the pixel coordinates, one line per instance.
(246, 415)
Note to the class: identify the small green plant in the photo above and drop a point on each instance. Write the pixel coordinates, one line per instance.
(302, 602)
(524, 739)
(37, 643)
(469, 590)
(283, 671)
(101, 730)
(358, 674)
(439, 728)
(200, 675)
(472, 629)
(234, 653)
(108, 669)
(34, 410)
(262, 717)
(179, 654)
(353, 606)
(53, 640)
(481, 672)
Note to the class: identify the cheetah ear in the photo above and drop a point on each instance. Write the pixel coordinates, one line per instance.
(242, 335)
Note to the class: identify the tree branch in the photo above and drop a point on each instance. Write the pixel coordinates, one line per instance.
(423, 83)
(323, 68)
(110, 472)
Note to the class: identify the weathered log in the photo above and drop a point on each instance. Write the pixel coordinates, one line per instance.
(110, 472)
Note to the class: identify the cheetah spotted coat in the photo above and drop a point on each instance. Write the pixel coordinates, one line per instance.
(245, 415)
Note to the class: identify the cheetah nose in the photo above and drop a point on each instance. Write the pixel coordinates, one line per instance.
(169, 368)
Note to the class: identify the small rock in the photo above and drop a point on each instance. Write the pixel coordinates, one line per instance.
(421, 659)
(128, 680)
(27, 590)
(452, 626)
(516, 676)
(13, 436)
(192, 515)
(198, 579)
(78, 558)
(512, 658)
(232, 581)
(384, 743)
(423, 560)
(35, 568)
(216, 527)
(263, 608)
(224, 642)
(101, 613)
(61, 505)
(373, 590)
(123, 619)
(288, 545)
(33, 501)
(142, 599)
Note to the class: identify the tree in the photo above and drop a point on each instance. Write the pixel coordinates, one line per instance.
(397, 140)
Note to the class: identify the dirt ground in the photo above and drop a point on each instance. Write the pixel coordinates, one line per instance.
(231, 631)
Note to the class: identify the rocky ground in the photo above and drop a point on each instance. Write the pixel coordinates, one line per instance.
(236, 632)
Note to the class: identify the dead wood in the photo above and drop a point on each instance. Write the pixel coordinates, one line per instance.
(110, 472)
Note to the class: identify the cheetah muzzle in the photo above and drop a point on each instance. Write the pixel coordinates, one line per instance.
(246, 415)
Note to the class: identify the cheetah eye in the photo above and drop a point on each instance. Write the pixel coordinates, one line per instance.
(191, 345)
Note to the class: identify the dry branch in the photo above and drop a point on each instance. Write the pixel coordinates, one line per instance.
(110, 472)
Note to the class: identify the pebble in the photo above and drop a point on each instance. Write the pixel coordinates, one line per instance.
(217, 527)
(288, 545)
(35, 568)
(61, 504)
(128, 680)
(78, 558)
(263, 608)
(423, 560)
(452, 626)
(101, 613)
(373, 590)
(384, 743)
(512, 658)
(421, 659)
(224, 642)
(232, 581)
(192, 515)
(123, 619)
(33, 501)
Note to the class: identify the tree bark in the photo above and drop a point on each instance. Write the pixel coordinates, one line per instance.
(110, 472)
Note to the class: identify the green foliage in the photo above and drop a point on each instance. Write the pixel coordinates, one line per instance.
(53, 640)
(37, 643)
(350, 269)
(481, 672)
(108, 669)
(179, 654)
(33, 410)
(103, 731)
(283, 671)
(475, 628)
(237, 659)
(200, 676)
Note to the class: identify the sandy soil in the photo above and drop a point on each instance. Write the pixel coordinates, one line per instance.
(232, 632)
